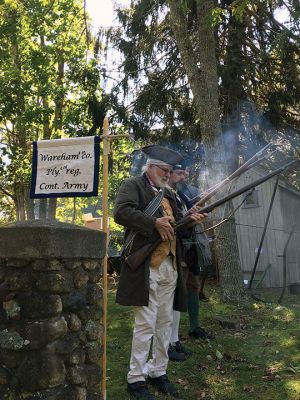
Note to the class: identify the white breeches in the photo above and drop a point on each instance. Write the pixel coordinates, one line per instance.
(175, 327)
(154, 321)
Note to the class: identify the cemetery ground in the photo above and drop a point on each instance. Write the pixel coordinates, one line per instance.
(258, 359)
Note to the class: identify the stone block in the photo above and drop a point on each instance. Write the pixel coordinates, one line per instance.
(72, 264)
(55, 283)
(90, 265)
(11, 340)
(74, 322)
(95, 275)
(93, 351)
(46, 265)
(93, 373)
(94, 330)
(80, 393)
(94, 294)
(66, 345)
(76, 375)
(91, 312)
(84, 375)
(77, 357)
(80, 277)
(74, 302)
(49, 239)
(36, 306)
(12, 309)
(41, 371)
(41, 333)
(18, 280)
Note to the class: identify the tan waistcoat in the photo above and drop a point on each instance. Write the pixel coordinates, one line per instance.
(165, 248)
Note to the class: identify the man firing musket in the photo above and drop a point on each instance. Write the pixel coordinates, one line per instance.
(133, 260)
(146, 207)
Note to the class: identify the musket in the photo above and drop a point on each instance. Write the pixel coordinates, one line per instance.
(202, 198)
(134, 260)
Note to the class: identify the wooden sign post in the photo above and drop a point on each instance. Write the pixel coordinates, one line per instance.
(106, 138)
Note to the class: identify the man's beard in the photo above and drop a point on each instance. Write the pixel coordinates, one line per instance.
(161, 182)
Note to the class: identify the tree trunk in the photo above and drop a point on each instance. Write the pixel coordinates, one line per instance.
(19, 201)
(43, 209)
(29, 204)
(59, 100)
(200, 63)
(52, 208)
(74, 211)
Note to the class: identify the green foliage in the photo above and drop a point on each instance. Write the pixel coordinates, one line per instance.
(152, 63)
(258, 61)
(47, 79)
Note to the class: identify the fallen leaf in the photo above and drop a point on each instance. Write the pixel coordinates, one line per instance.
(248, 388)
(183, 382)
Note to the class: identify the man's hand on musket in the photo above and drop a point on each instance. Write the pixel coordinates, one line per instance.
(200, 203)
(164, 228)
(197, 218)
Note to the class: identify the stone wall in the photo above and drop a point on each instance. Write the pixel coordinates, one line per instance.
(50, 319)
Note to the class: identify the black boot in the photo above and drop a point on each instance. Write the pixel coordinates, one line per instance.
(139, 390)
(163, 385)
(175, 355)
(202, 297)
(181, 349)
(200, 333)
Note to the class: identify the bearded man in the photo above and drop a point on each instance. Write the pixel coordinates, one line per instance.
(157, 285)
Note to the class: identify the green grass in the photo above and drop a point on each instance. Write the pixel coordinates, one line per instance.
(259, 362)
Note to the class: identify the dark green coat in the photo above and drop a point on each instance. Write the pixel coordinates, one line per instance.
(134, 195)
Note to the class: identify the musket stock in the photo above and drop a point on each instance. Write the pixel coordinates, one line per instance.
(134, 260)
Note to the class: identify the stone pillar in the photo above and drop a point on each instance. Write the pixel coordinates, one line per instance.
(50, 347)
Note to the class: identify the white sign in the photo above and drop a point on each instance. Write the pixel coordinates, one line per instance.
(65, 167)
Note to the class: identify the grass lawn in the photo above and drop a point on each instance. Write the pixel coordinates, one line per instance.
(260, 361)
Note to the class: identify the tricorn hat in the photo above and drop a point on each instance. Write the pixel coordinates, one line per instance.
(164, 154)
(182, 165)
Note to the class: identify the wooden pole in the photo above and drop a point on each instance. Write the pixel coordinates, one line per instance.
(106, 150)
(106, 139)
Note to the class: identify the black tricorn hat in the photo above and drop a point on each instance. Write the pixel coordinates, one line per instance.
(164, 154)
(182, 165)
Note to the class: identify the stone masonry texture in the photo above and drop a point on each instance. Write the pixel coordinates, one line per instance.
(51, 313)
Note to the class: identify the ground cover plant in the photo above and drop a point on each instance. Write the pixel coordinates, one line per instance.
(258, 359)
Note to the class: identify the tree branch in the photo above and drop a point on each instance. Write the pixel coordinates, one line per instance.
(7, 193)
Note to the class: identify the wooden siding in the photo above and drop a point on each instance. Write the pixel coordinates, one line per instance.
(250, 224)
(290, 206)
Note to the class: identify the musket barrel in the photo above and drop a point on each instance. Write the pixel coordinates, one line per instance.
(209, 208)
(135, 259)
(254, 160)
